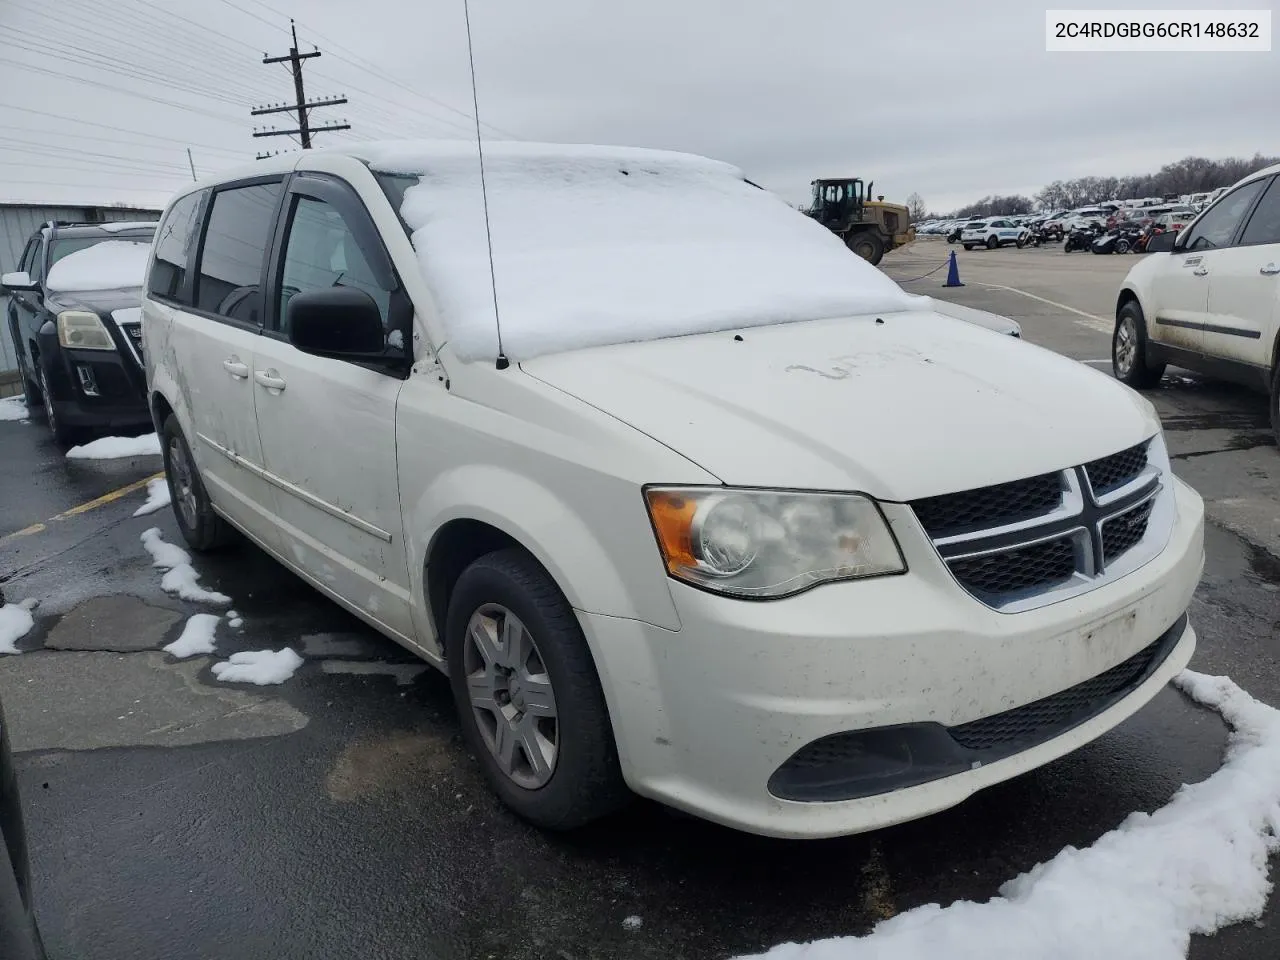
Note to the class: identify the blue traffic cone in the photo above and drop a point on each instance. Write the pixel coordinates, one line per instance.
(953, 273)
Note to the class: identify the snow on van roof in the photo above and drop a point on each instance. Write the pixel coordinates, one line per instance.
(598, 245)
(109, 265)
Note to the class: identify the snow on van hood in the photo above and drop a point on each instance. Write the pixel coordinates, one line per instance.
(900, 406)
(600, 245)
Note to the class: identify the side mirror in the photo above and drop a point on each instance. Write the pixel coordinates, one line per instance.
(339, 322)
(1161, 242)
(18, 280)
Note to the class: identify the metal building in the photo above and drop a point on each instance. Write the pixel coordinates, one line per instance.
(18, 221)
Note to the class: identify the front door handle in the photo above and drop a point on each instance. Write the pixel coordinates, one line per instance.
(233, 366)
(1200, 271)
(1269, 269)
(268, 379)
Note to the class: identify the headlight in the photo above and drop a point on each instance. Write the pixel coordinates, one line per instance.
(765, 544)
(83, 331)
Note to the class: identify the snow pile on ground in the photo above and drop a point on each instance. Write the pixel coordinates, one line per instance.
(109, 265)
(600, 245)
(15, 622)
(13, 408)
(234, 620)
(259, 666)
(111, 448)
(1195, 865)
(180, 577)
(157, 497)
(197, 636)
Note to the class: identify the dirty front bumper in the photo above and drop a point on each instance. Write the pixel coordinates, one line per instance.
(756, 715)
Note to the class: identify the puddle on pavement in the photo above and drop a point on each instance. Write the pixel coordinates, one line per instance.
(370, 767)
(118, 623)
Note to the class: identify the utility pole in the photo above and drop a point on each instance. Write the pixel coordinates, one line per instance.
(301, 105)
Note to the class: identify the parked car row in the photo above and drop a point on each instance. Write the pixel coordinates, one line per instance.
(1034, 229)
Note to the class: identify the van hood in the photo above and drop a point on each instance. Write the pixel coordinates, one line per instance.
(900, 406)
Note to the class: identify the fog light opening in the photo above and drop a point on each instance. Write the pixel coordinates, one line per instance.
(87, 382)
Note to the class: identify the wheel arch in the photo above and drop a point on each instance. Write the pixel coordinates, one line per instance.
(468, 511)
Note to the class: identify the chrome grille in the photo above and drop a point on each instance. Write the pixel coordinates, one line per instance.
(1122, 532)
(1004, 503)
(1025, 543)
(1010, 571)
(133, 336)
(1116, 470)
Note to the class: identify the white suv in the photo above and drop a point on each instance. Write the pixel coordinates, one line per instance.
(997, 232)
(708, 509)
(1212, 302)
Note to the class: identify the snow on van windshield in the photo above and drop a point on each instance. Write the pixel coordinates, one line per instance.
(109, 265)
(601, 245)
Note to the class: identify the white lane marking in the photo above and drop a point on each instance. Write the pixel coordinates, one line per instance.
(1106, 362)
(1091, 320)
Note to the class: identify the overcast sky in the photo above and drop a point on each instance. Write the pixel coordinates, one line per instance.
(953, 100)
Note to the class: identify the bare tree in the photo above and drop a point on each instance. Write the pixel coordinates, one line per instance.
(916, 207)
(1188, 175)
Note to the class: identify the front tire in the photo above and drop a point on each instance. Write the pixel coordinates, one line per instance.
(529, 698)
(200, 526)
(868, 246)
(968, 246)
(1129, 360)
(1123, 245)
(63, 435)
(1275, 402)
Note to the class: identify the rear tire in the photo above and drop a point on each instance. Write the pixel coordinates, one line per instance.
(1129, 342)
(200, 526)
(968, 246)
(576, 777)
(1123, 246)
(1020, 243)
(992, 243)
(867, 245)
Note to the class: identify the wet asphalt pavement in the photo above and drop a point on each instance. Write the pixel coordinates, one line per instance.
(338, 816)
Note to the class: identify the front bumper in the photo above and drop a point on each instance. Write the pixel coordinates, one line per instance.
(706, 716)
(95, 388)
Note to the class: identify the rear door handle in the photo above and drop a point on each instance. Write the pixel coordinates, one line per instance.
(1269, 269)
(268, 379)
(234, 367)
(1200, 271)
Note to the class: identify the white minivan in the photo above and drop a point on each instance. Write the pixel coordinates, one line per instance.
(687, 500)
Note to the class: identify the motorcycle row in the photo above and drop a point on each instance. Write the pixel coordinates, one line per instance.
(1098, 238)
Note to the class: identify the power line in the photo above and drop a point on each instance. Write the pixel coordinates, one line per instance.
(63, 75)
(107, 126)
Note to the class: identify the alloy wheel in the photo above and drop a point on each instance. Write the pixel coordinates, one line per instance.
(511, 696)
(1126, 347)
(183, 478)
(49, 413)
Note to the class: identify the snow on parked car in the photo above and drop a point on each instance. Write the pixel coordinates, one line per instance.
(629, 482)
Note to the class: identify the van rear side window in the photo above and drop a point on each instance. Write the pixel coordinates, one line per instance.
(173, 248)
(235, 245)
